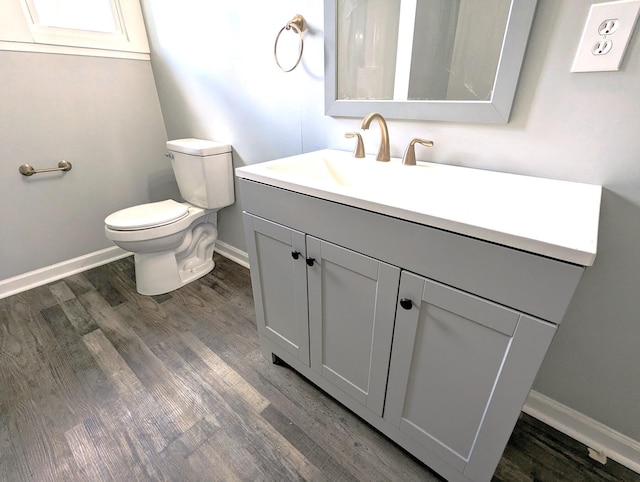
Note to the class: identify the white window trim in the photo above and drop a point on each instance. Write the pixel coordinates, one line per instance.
(19, 33)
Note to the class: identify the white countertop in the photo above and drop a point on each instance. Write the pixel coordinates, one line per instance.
(558, 219)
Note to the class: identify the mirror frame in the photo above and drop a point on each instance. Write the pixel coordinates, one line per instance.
(496, 110)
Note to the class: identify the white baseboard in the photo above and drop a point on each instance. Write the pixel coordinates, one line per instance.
(48, 274)
(233, 253)
(42, 276)
(602, 440)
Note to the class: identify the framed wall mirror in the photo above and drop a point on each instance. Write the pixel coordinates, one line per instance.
(444, 60)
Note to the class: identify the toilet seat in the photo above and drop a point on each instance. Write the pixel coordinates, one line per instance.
(146, 216)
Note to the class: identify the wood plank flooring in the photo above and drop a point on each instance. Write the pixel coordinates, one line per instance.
(100, 383)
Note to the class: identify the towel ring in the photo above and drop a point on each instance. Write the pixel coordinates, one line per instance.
(297, 23)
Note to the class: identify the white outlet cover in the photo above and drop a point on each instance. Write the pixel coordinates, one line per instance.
(626, 13)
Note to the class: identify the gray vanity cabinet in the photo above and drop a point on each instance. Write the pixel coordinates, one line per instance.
(280, 285)
(344, 302)
(351, 310)
(432, 337)
(450, 390)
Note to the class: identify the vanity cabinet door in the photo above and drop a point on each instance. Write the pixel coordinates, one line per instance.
(461, 368)
(351, 313)
(277, 256)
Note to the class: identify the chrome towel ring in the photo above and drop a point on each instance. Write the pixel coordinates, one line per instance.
(297, 24)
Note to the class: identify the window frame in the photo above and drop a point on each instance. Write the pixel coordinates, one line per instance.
(20, 31)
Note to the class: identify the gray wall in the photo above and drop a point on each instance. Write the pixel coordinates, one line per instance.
(216, 78)
(100, 114)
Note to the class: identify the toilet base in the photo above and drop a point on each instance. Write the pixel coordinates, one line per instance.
(158, 273)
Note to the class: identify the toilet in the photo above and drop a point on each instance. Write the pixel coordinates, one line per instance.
(173, 241)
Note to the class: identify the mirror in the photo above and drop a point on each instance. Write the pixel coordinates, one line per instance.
(448, 60)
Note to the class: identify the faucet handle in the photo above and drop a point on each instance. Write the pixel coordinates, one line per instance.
(409, 158)
(359, 150)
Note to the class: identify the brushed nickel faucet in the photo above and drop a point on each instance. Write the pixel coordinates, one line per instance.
(383, 153)
(409, 158)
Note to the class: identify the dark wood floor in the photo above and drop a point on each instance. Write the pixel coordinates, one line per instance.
(100, 383)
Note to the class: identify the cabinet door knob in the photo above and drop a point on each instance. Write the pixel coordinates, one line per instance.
(310, 261)
(295, 254)
(406, 303)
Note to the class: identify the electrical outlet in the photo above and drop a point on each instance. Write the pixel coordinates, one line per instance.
(602, 47)
(609, 26)
(606, 35)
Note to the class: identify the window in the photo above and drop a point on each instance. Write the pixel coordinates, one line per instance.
(92, 15)
(113, 28)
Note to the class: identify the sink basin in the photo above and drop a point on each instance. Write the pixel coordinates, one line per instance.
(323, 169)
(558, 219)
(338, 172)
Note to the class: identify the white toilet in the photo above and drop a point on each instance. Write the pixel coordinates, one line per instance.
(173, 242)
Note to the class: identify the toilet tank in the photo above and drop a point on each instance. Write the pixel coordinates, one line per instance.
(204, 171)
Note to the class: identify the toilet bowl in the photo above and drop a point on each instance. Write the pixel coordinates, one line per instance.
(172, 241)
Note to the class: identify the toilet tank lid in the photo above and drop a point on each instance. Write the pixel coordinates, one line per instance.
(198, 147)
